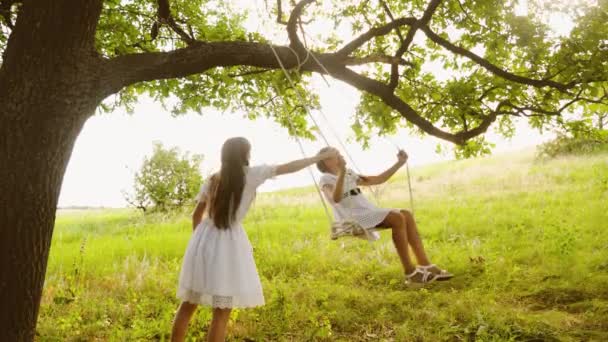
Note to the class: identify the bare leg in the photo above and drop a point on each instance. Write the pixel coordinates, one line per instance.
(217, 331)
(396, 222)
(417, 246)
(181, 320)
(413, 238)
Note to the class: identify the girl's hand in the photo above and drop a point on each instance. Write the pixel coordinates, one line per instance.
(341, 163)
(332, 153)
(402, 157)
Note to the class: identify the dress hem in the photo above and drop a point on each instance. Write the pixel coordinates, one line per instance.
(375, 226)
(218, 301)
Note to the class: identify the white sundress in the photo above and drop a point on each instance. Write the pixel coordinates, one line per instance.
(218, 269)
(354, 208)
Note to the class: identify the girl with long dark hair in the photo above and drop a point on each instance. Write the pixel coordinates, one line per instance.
(218, 268)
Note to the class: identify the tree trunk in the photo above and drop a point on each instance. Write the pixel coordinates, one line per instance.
(34, 153)
(49, 86)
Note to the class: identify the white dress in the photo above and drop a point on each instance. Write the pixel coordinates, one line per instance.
(218, 268)
(354, 208)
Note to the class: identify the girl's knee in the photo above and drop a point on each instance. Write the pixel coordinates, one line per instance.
(406, 214)
(397, 221)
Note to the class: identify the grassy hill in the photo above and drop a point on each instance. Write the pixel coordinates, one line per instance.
(526, 239)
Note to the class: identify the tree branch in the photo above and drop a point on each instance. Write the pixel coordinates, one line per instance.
(521, 110)
(128, 69)
(375, 59)
(199, 57)
(596, 101)
(280, 13)
(383, 92)
(491, 67)
(409, 38)
(390, 15)
(468, 16)
(292, 29)
(374, 32)
(536, 111)
(164, 16)
(251, 72)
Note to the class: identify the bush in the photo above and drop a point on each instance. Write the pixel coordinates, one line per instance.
(166, 180)
(585, 143)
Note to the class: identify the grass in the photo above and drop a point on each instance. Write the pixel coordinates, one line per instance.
(526, 239)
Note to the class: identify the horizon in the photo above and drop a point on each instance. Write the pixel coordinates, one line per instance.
(505, 153)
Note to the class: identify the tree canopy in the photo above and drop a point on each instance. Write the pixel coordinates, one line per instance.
(449, 69)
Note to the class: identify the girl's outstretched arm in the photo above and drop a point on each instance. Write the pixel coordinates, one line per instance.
(384, 176)
(299, 164)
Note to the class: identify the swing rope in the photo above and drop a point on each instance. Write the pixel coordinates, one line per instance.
(334, 133)
(407, 166)
(302, 150)
(409, 178)
(331, 129)
(409, 186)
(329, 125)
(307, 109)
(349, 229)
(342, 228)
(297, 92)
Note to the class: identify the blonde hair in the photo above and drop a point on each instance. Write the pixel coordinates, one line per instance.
(321, 163)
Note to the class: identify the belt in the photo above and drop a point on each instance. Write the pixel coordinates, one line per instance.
(353, 192)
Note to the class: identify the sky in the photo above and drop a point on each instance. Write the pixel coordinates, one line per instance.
(111, 147)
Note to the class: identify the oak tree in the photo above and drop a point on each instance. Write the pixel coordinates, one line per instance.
(64, 59)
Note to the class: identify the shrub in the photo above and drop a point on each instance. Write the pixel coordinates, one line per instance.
(584, 143)
(166, 180)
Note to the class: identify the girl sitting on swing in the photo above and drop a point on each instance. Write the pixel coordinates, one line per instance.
(340, 187)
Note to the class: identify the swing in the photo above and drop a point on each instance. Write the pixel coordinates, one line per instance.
(352, 228)
(346, 227)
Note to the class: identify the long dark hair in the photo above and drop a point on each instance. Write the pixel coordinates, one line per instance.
(229, 183)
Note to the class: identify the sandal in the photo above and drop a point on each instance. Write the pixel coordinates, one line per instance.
(441, 276)
(427, 277)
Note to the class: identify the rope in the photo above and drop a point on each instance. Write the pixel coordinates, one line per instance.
(409, 185)
(298, 95)
(334, 133)
(409, 179)
(374, 192)
(352, 160)
(312, 175)
(351, 226)
(300, 98)
(301, 146)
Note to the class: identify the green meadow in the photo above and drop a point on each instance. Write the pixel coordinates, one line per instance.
(527, 240)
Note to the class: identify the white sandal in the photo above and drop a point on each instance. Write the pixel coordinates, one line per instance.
(427, 277)
(441, 276)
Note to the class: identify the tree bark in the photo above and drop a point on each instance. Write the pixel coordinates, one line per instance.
(49, 86)
(34, 153)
